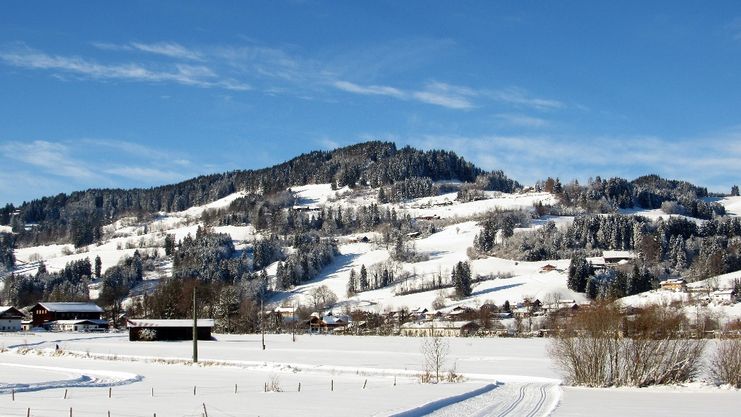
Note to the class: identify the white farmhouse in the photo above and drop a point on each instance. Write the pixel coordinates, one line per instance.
(10, 319)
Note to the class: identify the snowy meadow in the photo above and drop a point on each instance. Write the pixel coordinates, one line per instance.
(317, 375)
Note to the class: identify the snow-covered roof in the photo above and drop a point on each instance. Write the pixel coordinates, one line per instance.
(437, 324)
(612, 254)
(4, 309)
(75, 307)
(92, 321)
(672, 281)
(169, 323)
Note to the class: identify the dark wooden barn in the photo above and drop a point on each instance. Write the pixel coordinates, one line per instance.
(44, 313)
(153, 330)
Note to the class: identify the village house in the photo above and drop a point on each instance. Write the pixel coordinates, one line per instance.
(439, 328)
(617, 257)
(328, 323)
(674, 284)
(91, 325)
(725, 296)
(10, 319)
(152, 330)
(44, 314)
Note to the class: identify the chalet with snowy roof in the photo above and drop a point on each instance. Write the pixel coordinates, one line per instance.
(286, 314)
(674, 284)
(154, 330)
(45, 313)
(617, 257)
(328, 323)
(439, 328)
(10, 319)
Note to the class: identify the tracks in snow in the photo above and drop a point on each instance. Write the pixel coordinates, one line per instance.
(75, 378)
(530, 399)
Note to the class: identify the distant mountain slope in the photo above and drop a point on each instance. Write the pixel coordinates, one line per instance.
(79, 215)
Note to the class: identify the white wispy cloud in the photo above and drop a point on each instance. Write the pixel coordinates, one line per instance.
(51, 157)
(185, 74)
(169, 49)
(91, 163)
(439, 94)
(519, 97)
(374, 90)
(709, 160)
(446, 95)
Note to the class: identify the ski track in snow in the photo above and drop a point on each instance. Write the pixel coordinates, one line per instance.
(79, 378)
(529, 399)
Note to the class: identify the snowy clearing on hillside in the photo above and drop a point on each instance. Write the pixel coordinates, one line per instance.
(339, 376)
(732, 204)
(445, 206)
(655, 214)
(444, 249)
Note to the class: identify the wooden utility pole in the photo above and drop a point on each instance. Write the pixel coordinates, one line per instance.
(195, 328)
(262, 321)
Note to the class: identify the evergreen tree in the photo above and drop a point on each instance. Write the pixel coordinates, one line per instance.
(734, 191)
(169, 245)
(351, 288)
(363, 278)
(461, 277)
(98, 266)
(592, 290)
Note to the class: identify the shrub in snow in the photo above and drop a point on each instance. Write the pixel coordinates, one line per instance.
(148, 334)
(725, 364)
(599, 348)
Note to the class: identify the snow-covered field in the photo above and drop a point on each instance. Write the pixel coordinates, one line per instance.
(339, 376)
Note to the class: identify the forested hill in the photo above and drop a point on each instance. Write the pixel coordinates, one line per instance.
(375, 163)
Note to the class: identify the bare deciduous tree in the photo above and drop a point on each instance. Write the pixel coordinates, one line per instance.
(435, 350)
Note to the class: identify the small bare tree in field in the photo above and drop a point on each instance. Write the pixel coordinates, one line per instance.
(725, 364)
(435, 350)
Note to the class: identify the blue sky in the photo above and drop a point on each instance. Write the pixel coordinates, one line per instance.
(136, 94)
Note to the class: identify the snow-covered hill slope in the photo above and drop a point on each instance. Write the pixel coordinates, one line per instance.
(500, 280)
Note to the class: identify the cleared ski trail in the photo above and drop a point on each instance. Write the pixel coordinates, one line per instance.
(527, 399)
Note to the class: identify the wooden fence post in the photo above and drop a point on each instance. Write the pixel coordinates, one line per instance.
(299, 387)
(365, 383)
(235, 388)
(331, 387)
(205, 412)
(109, 392)
(194, 390)
(65, 393)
